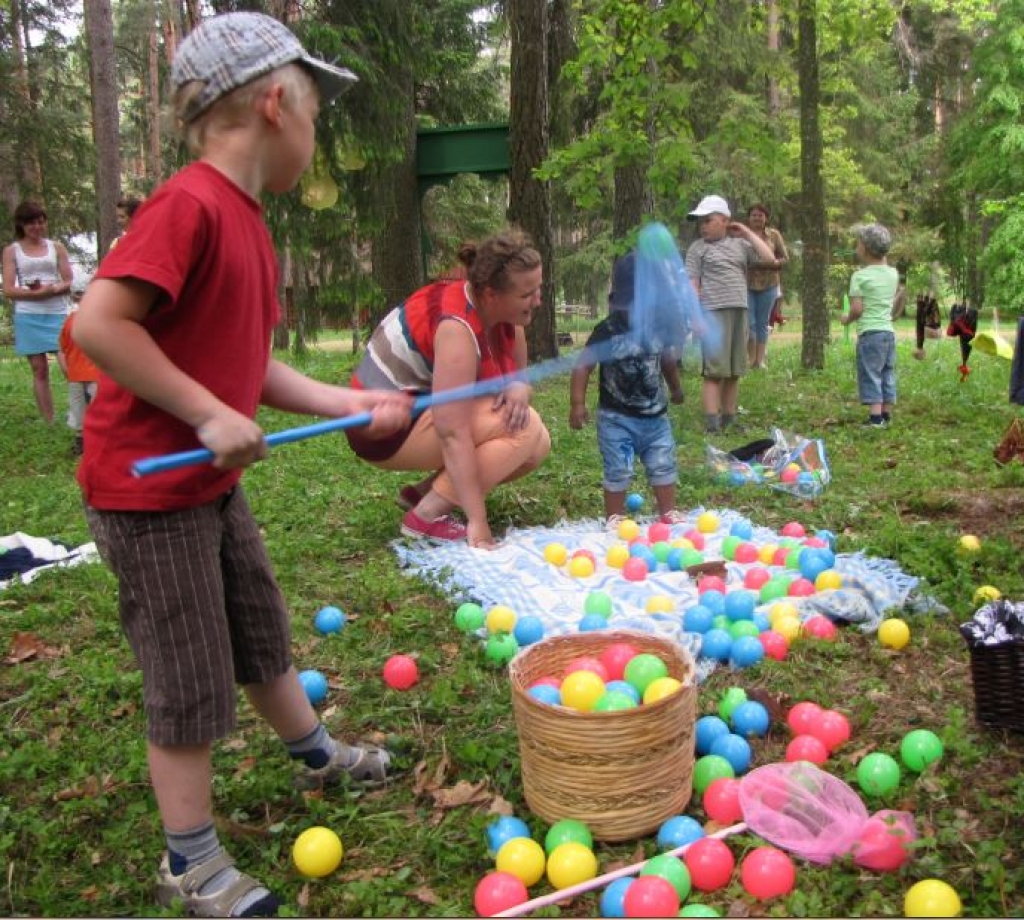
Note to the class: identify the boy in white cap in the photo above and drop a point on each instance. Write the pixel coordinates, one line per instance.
(179, 319)
(717, 264)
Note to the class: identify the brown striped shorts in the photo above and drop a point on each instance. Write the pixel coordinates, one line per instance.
(200, 608)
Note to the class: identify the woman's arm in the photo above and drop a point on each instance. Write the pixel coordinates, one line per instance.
(64, 269)
(16, 291)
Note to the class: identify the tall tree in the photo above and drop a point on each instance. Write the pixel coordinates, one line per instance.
(99, 30)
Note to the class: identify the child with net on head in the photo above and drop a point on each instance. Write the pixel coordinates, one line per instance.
(632, 415)
(193, 283)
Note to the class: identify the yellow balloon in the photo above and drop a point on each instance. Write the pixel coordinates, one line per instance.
(707, 522)
(628, 529)
(766, 554)
(782, 609)
(556, 553)
(986, 593)
(317, 852)
(501, 619)
(828, 580)
(790, 628)
(617, 555)
(931, 898)
(894, 633)
(659, 603)
(660, 688)
(524, 858)
(571, 863)
(581, 689)
(581, 567)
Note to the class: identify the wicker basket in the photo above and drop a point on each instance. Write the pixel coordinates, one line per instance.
(622, 773)
(997, 672)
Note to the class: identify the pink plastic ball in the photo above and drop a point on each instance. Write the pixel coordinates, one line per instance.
(615, 658)
(793, 529)
(639, 540)
(711, 583)
(806, 747)
(767, 873)
(400, 672)
(650, 896)
(802, 716)
(815, 542)
(774, 644)
(585, 553)
(588, 663)
(498, 891)
(821, 627)
(634, 569)
(659, 532)
(831, 728)
(779, 556)
(756, 577)
(696, 538)
(722, 800)
(789, 474)
(710, 863)
(801, 587)
(882, 845)
(746, 553)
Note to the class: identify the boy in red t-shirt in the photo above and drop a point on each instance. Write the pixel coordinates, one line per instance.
(80, 373)
(179, 319)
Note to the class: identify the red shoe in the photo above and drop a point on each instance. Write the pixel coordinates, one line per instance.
(444, 528)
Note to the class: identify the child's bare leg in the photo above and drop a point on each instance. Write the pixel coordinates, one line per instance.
(665, 496)
(614, 503)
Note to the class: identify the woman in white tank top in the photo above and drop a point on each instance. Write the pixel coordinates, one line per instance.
(37, 277)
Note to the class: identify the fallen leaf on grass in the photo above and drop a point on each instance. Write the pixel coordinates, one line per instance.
(302, 898)
(89, 788)
(739, 909)
(25, 646)
(425, 895)
(500, 806)
(245, 766)
(462, 793)
(362, 875)
(430, 783)
(89, 894)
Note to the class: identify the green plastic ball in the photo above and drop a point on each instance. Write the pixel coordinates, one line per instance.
(878, 774)
(741, 628)
(709, 768)
(673, 870)
(920, 748)
(568, 830)
(614, 701)
(692, 557)
(598, 602)
(730, 700)
(698, 910)
(729, 545)
(643, 669)
(773, 589)
(501, 648)
(469, 617)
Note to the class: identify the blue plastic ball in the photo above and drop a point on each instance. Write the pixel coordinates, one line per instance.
(503, 829)
(678, 831)
(315, 685)
(812, 563)
(622, 686)
(762, 622)
(592, 621)
(634, 502)
(639, 551)
(750, 719)
(674, 560)
(706, 731)
(328, 620)
(739, 605)
(717, 644)
(742, 529)
(746, 651)
(734, 749)
(714, 601)
(828, 537)
(613, 896)
(737, 478)
(528, 629)
(546, 694)
(698, 619)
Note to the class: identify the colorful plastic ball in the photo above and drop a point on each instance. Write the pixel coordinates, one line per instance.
(742, 529)
(739, 605)
(722, 801)
(581, 690)
(644, 554)
(790, 628)
(612, 897)
(697, 619)
(735, 750)
(584, 553)
(781, 609)
(766, 554)
(317, 852)
(794, 556)
(767, 873)
(659, 532)
(634, 569)
(692, 556)
(614, 701)
(812, 564)
(806, 747)
(329, 620)
(528, 629)
(678, 831)
(709, 768)
(831, 728)
(469, 617)
(711, 583)
(739, 629)
(661, 549)
(828, 580)
(717, 644)
(660, 689)
(882, 844)
(542, 693)
(571, 863)
(625, 688)
(756, 578)
(751, 720)
(586, 663)
(567, 830)
(634, 502)
(628, 530)
(500, 619)
(729, 700)
(501, 648)
(793, 529)
(617, 555)
(315, 685)
(714, 600)
(746, 651)
(650, 896)
(497, 892)
(644, 669)
(591, 622)
(707, 522)
(773, 589)
(615, 657)
(827, 537)
(790, 473)
(745, 554)
(672, 869)
(599, 602)
(728, 547)
(761, 621)
(894, 634)
(698, 910)
(674, 559)
(774, 644)
(659, 603)
(400, 672)
(802, 716)
(721, 621)
(556, 554)
(706, 730)
(821, 627)
(710, 862)
(800, 587)
(581, 567)
(696, 538)
(878, 774)
(503, 829)
(931, 898)
(986, 594)
(920, 748)
(522, 857)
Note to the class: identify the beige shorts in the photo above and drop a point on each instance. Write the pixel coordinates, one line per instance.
(724, 347)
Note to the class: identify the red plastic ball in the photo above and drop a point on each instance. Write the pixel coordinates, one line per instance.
(882, 845)
(793, 529)
(639, 540)
(815, 542)
(588, 663)
(801, 587)
(722, 800)
(615, 658)
(831, 728)
(806, 747)
(400, 672)
(774, 644)
(659, 532)
(767, 873)
(821, 628)
(696, 538)
(710, 863)
(634, 569)
(650, 896)
(802, 716)
(498, 891)
(711, 583)
(546, 681)
(756, 577)
(780, 555)
(746, 553)
(585, 553)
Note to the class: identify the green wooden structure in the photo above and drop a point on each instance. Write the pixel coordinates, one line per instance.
(442, 153)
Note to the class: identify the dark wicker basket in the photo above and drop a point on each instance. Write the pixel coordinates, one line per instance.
(997, 672)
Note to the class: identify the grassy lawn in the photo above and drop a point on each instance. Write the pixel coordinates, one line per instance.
(79, 833)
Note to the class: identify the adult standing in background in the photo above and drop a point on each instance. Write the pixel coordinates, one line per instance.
(37, 277)
(764, 284)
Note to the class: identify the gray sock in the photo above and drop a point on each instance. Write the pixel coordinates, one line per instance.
(317, 748)
(711, 422)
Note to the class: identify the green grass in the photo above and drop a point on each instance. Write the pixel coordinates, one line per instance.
(79, 834)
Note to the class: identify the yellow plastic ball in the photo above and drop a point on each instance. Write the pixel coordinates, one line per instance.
(617, 555)
(500, 619)
(968, 545)
(571, 863)
(581, 567)
(707, 522)
(660, 688)
(556, 553)
(766, 554)
(790, 628)
(682, 543)
(628, 529)
(317, 852)
(782, 609)
(894, 633)
(829, 580)
(659, 603)
(986, 594)
(931, 898)
(581, 689)
(524, 858)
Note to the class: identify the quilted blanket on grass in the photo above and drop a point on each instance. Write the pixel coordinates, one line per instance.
(517, 575)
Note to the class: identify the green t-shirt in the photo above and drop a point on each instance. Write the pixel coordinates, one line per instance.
(876, 286)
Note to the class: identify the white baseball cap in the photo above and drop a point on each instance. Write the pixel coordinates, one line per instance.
(711, 204)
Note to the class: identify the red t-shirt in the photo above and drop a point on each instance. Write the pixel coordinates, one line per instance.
(201, 240)
(80, 368)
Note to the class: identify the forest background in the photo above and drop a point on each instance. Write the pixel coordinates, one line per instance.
(831, 112)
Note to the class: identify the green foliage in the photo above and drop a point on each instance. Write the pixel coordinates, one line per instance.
(1003, 256)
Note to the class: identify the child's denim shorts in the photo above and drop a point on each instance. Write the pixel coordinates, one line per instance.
(623, 438)
(876, 367)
